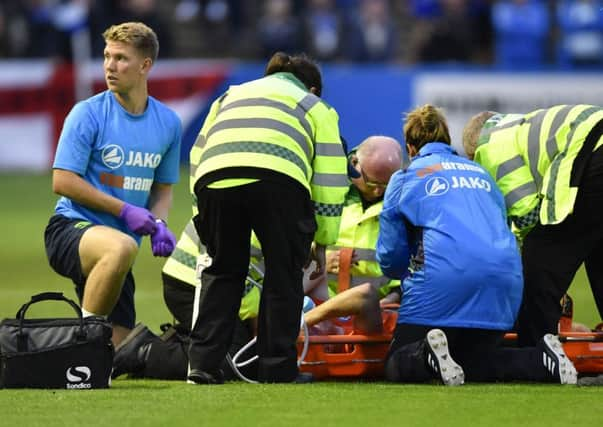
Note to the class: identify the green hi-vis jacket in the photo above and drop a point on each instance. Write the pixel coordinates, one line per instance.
(182, 266)
(359, 230)
(531, 157)
(274, 123)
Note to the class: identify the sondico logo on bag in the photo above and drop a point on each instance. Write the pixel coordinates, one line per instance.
(78, 377)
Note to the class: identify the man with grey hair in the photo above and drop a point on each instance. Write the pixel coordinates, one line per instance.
(372, 164)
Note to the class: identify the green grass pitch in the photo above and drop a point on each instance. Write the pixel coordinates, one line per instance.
(26, 206)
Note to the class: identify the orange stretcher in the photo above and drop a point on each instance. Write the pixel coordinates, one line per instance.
(349, 355)
(352, 355)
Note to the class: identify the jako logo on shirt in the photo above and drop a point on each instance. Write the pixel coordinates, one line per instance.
(77, 377)
(113, 156)
(436, 186)
(471, 182)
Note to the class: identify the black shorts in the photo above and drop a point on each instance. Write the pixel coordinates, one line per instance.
(62, 240)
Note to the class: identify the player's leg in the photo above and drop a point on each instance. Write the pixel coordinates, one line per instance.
(361, 301)
(106, 255)
(78, 250)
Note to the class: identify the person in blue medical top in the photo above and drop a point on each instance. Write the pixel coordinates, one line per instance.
(444, 230)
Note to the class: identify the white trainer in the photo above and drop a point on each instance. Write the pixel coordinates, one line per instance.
(556, 361)
(440, 361)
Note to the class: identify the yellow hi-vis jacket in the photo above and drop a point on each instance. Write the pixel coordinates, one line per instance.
(275, 124)
(531, 157)
(182, 266)
(359, 230)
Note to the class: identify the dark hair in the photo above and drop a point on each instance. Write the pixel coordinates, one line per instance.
(426, 124)
(301, 66)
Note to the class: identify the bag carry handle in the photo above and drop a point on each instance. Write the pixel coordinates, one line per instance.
(47, 296)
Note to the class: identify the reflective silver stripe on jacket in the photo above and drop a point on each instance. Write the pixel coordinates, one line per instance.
(509, 166)
(200, 141)
(330, 179)
(328, 149)
(255, 252)
(265, 123)
(299, 111)
(519, 193)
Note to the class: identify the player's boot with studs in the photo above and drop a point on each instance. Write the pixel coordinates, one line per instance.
(440, 361)
(556, 362)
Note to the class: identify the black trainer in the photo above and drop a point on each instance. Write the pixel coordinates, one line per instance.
(556, 362)
(131, 353)
(197, 376)
(440, 361)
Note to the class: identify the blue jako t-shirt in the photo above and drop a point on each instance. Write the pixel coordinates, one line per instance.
(119, 153)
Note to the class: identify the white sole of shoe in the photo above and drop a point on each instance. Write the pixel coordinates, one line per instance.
(567, 371)
(451, 372)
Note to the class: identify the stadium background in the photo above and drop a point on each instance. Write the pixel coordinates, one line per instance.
(380, 58)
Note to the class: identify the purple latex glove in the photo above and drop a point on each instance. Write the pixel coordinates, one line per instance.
(139, 220)
(163, 241)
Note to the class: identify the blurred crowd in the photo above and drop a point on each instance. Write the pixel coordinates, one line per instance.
(506, 33)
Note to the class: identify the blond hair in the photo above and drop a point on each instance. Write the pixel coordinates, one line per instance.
(136, 34)
(472, 130)
(426, 124)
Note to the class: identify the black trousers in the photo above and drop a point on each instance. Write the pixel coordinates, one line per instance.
(167, 357)
(480, 353)
(552, 254)
(179, 298)
(282, 217)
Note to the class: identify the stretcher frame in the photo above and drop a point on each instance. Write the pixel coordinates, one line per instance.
(353, 355)
(363, 356)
